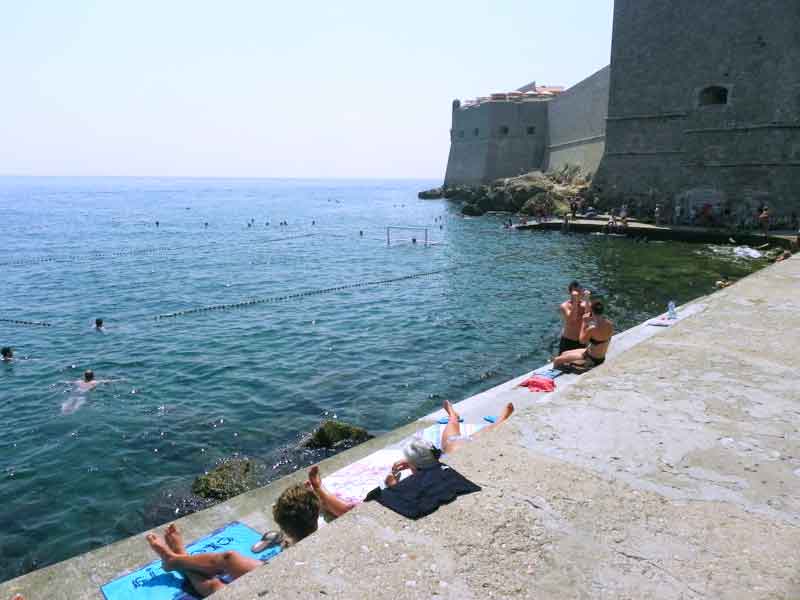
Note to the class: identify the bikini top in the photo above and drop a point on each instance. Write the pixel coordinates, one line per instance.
(595, 342)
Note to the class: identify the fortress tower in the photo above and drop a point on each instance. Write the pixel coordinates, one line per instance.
(704, 106)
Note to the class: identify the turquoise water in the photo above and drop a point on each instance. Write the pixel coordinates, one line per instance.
(78, 471)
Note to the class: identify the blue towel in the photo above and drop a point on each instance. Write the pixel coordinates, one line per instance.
(549, 373)
(445, 420)
(151, 582)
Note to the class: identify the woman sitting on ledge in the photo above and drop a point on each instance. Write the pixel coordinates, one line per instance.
(596, 332)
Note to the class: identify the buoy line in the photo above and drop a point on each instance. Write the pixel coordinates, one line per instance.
(135, 252)
(298, 295)
(28, 323)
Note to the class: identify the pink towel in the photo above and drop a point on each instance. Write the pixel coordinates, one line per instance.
(539, 384)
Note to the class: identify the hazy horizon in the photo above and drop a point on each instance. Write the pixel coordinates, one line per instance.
(351, 91)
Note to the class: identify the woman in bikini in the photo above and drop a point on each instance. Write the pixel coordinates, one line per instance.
(596, 332)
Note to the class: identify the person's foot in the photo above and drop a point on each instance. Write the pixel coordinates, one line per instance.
(17, 597)
(314, 478)
(451, 412)
(507, 412)
(160, 548)
(174, 539)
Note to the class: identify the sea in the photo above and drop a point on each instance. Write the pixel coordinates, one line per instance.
(239, 313)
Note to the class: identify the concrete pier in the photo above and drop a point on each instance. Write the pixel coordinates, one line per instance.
(685, 233)
(670, 472)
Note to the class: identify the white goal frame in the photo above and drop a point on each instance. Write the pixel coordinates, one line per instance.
(389, 229)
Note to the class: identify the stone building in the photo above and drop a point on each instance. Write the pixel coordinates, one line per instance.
(533, 128)
(704, 107)
(698, 111)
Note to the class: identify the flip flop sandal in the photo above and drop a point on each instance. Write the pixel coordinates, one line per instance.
(269, 539)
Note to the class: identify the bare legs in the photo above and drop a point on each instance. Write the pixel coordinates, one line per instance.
(570, 356)
(203, 584)
(330, 503)
(453, 428)
(201, 569)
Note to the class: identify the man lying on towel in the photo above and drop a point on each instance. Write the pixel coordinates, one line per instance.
(296, 513)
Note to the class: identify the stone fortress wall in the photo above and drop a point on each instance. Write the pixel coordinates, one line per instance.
(700, 106)
(493, 139)
(577, 124)
(510, 134)
(704, 106)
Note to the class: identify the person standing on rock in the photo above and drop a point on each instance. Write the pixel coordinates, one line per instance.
(763, 219)
(571, 314)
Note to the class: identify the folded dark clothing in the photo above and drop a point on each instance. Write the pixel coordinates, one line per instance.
(424, 492)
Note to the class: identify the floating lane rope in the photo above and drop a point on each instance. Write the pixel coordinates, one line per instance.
(28, 323)
(329, 290)
(132, 252)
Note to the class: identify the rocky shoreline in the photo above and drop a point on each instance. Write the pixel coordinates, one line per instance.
(531, 194)
(238, 474)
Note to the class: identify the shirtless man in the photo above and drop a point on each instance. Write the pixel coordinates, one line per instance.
(571, 313)
(596, 332)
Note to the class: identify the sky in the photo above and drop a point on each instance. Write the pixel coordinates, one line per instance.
(261, 88)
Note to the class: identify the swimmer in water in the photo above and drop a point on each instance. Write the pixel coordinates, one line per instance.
(98, 324)
(6, 354)
(88, 382)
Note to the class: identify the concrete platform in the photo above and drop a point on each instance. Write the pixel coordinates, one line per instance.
(672, 471)
(686, 233)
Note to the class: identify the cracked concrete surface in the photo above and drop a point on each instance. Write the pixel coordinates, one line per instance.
(671, 472)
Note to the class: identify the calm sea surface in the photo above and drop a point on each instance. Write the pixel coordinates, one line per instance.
(78, 471)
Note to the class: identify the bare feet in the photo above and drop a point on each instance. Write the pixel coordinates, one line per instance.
(314, 478)
(451, 412)
(160, 548)
(174, 539)
(507, 412)
(17, 597)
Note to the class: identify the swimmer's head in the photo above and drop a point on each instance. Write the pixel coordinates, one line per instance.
(88, 375)
(574, 286)
(6, 352)
(98, 323)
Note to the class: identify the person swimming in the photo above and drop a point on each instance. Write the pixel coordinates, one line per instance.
(89, 382)
(6, 354)
(98, 324)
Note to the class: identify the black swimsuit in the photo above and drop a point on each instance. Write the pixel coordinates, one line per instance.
(594, 362)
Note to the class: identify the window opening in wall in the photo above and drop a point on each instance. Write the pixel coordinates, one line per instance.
(461, 133)
(531, 130)
(714, 94)
(476, 132)
(504, 130)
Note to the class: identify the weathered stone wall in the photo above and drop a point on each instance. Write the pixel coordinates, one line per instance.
(496, 139)
(577, 124)
(671, 138)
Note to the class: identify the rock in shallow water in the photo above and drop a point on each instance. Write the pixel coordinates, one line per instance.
(334, 434)
(231, 478)
(433, 194)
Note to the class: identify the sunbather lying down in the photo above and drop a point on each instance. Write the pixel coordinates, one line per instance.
(296, 513)
(452, 439)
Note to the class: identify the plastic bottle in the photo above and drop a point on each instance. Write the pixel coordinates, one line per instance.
(672, 313)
